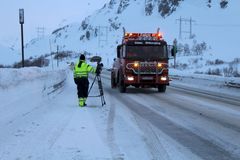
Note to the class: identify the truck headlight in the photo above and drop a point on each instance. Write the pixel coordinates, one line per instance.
(136, 64)
(159, 65)
(163, 78)
(130, 78)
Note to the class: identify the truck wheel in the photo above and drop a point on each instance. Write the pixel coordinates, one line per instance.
(137, 86)
(122, 86)
(162, 88)
(113, 81)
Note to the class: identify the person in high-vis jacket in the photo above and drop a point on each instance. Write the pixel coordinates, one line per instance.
(81, 71)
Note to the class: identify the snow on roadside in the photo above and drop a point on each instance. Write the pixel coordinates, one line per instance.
(43, 127)
(179, 73)
(56, 128)
(208, 83)
(13, 77)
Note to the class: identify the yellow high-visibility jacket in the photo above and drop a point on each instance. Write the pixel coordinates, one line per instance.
(83, 70)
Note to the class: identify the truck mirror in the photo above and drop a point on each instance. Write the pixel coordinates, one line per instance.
(172, 52)
(118, 51)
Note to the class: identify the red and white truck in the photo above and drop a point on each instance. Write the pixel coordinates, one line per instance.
(142, 61)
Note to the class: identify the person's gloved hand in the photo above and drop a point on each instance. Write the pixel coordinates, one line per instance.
(98, 70)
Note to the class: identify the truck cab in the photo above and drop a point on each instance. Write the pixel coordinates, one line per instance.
(142, 61)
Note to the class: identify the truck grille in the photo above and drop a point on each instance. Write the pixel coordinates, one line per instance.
(146, 68)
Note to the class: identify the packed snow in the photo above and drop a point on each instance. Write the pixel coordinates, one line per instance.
(53, 122)
(39, 113)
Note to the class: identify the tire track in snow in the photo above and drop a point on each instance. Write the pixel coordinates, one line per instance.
(115, 151)
(199, 146)
(155, 147)
(195, 143)
(200, 112)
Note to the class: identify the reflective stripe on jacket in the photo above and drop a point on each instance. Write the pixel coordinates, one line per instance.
(83, 70)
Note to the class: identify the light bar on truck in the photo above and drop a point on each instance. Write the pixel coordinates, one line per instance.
(143, 36)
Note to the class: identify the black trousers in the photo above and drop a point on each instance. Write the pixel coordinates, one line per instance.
(82, 87)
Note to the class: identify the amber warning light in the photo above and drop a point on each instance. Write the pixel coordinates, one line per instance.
(143, 36)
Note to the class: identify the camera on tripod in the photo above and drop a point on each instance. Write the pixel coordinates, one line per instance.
(98, 77)
(99, 68)
(99, 64)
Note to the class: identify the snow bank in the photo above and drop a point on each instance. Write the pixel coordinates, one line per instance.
(13, 77)
(186, 74)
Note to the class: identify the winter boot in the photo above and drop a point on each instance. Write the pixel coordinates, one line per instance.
(85, 104)
(81, 102)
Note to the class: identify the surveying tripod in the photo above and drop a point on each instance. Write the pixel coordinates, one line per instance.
(98, 77)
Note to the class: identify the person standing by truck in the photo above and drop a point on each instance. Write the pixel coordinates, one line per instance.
(81, 71)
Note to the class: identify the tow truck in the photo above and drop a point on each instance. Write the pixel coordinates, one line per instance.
(142, 61)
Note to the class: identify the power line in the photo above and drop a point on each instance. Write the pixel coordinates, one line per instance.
(102, 35)
(40, 32)
(218, 25)
(182, 29)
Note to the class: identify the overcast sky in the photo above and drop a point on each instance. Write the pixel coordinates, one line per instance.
(41, 13)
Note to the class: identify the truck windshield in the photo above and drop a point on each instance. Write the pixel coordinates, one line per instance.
(146, 52)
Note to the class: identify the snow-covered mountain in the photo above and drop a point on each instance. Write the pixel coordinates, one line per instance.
(214, 30)
(8, 56)
(103, 30)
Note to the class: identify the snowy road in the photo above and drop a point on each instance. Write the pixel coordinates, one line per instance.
(200, 126)
(140, 124)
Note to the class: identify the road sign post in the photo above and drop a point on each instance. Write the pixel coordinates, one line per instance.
(21, 21)
(175, 51)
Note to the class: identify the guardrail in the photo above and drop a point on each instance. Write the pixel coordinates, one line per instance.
(54, 88)
(54, 85)
(228, 83)
(232, 84)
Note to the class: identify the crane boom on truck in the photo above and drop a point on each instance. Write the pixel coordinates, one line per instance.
(142, 61)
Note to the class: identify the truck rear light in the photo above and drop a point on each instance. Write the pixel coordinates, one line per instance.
(163, 78)
(130, 78)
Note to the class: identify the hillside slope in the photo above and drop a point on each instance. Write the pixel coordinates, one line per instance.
(101, 32)
(8, 56)
(131, 14)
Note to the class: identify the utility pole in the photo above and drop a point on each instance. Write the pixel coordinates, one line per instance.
(180, 28)
(50, 45)
(40, 32)
(145, 7)
(21, 21)
(187, 21)
(57, 55)
(175, 51)
(190, 27)
(102, 35)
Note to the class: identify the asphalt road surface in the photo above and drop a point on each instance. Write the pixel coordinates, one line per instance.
(206, 125)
